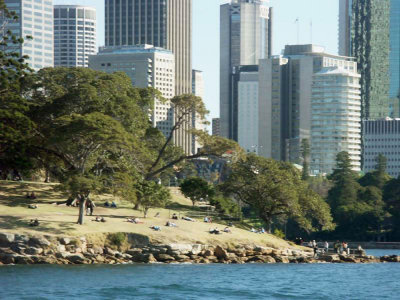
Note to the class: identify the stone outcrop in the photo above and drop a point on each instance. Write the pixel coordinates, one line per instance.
(20, 249)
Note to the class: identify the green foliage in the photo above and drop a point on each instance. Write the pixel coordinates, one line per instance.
(196, 188)
(275, 189)
(279, 233)
(150, 194)
(305, 154)
(226, 206)
(117, 239)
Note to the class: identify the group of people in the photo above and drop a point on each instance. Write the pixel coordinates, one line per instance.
(341, 247)
(207, 220)
(112, 205)
(260, 230)
(34, 223)
(217, 231)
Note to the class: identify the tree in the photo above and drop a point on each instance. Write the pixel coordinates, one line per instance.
(305, 154)
(378, 177)
(196, 188)
(15, 125)
(275, 189)
(151, 194)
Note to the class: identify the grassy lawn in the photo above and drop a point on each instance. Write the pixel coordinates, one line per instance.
(61, 220)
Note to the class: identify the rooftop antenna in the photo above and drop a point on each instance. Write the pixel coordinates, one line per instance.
(298, 30)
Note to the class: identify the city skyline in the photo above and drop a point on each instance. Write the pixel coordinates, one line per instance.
(324, 16)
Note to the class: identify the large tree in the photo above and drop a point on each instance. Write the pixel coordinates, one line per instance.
(275, 189)
(196, 188)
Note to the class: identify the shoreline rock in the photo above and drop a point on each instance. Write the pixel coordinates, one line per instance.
(20, 249)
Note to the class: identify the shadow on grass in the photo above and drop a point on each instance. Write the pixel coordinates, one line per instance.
(16, 223)
(181, 207)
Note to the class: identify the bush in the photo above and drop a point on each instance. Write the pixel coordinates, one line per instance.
(226, 206)
(279, 233)
(117, 239)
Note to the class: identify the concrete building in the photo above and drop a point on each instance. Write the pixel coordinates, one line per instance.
(147, 66)
(365, 33)
(285, 89)
(35, 19)
(335, 118)
(197, 120)
(382, 137)
(215, 127)
(245, 37)
(74, 35)
(245, 86)
(162, 23)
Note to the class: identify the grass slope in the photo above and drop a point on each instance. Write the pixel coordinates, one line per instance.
(61, 220)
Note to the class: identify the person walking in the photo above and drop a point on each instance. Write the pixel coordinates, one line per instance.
(326, 247)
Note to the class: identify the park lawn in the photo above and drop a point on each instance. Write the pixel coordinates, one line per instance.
(61, 220)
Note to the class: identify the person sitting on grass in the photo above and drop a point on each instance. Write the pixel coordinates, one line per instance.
(113, 205)
(34, 223)
(227, 230)
(174, 216)
(107, 204)
(188, 219)
(215, 231)
(170, 224)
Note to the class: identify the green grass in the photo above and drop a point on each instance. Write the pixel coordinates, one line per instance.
(61, 220)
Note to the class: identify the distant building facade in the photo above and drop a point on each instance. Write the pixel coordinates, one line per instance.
(35, 19)
(335, 119)
(245, 37)
(215, 127)
(394, 64)
(285, 89)
(197, 121)
(365, 33)
(147, 66)
(382, 137)
(74, 35)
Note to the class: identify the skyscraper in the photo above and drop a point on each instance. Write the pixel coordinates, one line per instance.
(35, 19)
(285, 91)
(394, 92)
(245, 37)
(161, 23)
(364, 31)
(74, 35)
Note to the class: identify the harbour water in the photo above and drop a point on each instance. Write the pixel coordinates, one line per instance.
(251, 281)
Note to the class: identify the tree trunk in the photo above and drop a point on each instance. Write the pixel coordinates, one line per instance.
(82, 206)
(145, 211)
(47, 179)
(136, 207)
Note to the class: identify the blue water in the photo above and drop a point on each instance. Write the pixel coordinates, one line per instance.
(253, 281)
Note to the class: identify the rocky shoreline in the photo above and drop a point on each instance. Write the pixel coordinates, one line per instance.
(22, 249)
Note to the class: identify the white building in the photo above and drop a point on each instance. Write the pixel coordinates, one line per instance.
(247, 98)
(74, 35)
(335, 118)
(197, 121)
(147, 66)
(35, 19)
(382, 137)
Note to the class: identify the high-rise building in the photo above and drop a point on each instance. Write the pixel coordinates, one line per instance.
(335, 119)
(162, 23)
(245, 93)
(382, 137)
(197, 120)
(215, 127)
(394, 91)
(35, 19)
(345, 21)
(74, 35)
(364, 32)
(245, 37)
(147, 66)
(285, 93)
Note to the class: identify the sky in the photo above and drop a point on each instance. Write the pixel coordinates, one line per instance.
(319, 15)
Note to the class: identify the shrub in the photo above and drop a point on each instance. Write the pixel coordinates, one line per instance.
(279, 233)
(117, 239)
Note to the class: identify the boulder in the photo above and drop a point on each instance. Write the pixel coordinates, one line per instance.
(282, 259)
(39, 241)
(98, 250)
(240, 253)
(181, 257)
(207, 253)
(33, 251)
(65, 241)
(263, 251)
(110, 251)
(61, 248)
(7, 259)
(6, 239)
(134, 251)
(390, 258)
(330, 258)
(62, 255)
(196, 249)
(212, 259)
(23, 260)
(99, 258)
(181, 248)
(220, 253)
(76, 258)
(204, 261)
(19, 238)
(349, 259)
